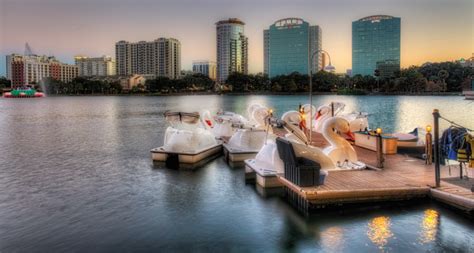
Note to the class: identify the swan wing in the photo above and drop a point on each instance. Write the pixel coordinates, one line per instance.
(314, 154)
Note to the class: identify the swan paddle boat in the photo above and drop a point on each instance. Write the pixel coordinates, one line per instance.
(187, 142)
(340, 155)
(249, 138)
(358, 120)
(224, 124)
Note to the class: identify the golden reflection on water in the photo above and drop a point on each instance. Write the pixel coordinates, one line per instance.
(332, 239)
(378, 230)
(429, 226)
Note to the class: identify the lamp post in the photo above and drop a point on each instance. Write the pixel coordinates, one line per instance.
(329, 67)
(379, 149)
(428, 146)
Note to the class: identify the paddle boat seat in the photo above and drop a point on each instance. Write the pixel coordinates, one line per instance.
(299, 170)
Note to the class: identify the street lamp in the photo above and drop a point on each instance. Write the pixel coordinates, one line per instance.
(329, 67)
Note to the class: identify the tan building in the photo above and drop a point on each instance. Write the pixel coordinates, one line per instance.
(95, 66)
(161, 57)
(30, 69)
(127, 81)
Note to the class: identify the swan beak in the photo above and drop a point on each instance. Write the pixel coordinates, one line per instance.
(318, 115)
(351, 135)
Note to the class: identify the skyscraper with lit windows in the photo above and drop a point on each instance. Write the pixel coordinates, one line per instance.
(232, 44)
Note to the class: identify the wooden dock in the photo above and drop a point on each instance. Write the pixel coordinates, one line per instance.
(402, 178)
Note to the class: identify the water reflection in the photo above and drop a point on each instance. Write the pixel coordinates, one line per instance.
(74, 169)
(378, 231)
(332, 239)
(429, 226)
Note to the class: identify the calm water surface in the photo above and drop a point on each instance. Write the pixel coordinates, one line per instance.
(76, 175)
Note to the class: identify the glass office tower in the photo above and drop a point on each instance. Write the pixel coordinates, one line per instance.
(375, 39)
(288, 45)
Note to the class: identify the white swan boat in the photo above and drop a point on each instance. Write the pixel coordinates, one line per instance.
(266, 165)
(249, 138)
(187, 142)
(224, 124)
(340, 155)
(358, 120)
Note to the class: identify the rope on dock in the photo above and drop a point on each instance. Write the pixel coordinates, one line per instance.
(456, 124)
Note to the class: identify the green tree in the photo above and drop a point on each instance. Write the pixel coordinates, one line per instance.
(239, 81)
(325, 81)
(4, 82)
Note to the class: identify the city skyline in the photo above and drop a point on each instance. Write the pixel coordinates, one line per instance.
(436, 30)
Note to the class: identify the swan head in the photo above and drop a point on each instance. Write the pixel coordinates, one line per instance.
(322, 110)
(341, 125)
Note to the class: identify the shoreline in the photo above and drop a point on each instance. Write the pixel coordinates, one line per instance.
(435, 94)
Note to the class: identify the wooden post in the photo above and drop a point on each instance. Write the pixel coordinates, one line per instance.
(436, 146)
(380, 158)
(429, 148)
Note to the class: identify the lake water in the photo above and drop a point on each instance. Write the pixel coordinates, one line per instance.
(76, 175)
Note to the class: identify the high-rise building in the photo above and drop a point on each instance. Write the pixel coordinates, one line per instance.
(207, 68)
(97, 66)
(266, 51)
(232, 54)
(374, 39)
(30, 69)
(161, 57)
(288, 46)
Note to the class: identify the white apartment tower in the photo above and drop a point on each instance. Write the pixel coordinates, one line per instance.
(161, 57)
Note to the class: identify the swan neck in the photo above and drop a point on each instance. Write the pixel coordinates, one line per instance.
(333, 138)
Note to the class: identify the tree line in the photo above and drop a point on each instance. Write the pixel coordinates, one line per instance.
(435, 77)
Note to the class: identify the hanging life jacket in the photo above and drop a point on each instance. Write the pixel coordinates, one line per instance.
(470, 142)
(462, 155)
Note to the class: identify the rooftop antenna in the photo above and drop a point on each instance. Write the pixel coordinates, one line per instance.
(28, 50)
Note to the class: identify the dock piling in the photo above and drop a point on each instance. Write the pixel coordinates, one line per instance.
(436, 117)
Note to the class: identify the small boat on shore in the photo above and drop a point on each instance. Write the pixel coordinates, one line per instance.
(24, 92)
(411, 139)
(187, 143)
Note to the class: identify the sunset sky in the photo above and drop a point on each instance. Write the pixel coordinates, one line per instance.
(432, 30)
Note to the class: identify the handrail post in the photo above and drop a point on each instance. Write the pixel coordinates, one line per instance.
(436, 116)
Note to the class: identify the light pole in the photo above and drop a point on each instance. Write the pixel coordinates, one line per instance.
(329, 67)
